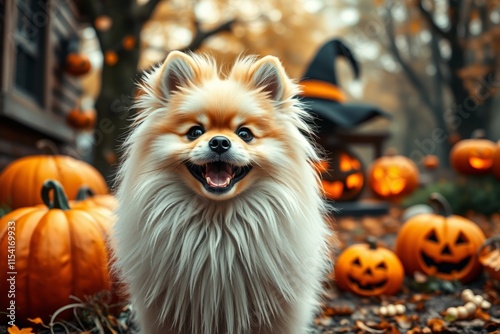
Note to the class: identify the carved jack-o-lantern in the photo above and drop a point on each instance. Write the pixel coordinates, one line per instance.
(369, 270)
(393, 176)
(473, 156)
(441, 246)
(342, 176)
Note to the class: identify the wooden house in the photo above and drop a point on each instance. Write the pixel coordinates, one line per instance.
(35, 92)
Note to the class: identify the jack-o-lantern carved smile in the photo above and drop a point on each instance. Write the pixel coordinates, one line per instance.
(445, 262)
(369, 270)
(441, 246)
(369, 284)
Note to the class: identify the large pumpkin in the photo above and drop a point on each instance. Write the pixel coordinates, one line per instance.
(20, 181)
(369, 270)
(342, 175)
(59, 252)
(440, 245)
(473, 156)
(393, 176)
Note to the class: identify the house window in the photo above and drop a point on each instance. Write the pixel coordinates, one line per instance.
(31, 24)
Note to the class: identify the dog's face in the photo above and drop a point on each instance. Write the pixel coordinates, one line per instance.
(221, 135)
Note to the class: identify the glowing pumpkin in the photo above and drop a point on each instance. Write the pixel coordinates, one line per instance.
(369, 270)
(59, 252)
(473, 156)
(393, 176)
(342, 176)
(440, 245)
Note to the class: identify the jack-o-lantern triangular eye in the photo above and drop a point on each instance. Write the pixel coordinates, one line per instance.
(356, 262)
(462, 239)
(382, 265)
(432, 236)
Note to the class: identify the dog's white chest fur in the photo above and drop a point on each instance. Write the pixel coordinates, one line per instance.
(233, 265)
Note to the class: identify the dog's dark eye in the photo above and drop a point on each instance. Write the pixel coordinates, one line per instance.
(195, 132)
(245, 134)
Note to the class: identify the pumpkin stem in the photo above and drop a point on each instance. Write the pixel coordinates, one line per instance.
(59, 201)
(84, 192)
(372, 242)
(48, 146)
(440, 204)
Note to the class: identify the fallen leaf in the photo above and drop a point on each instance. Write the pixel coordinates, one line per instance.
(436, 325)
(361, 326)
(37, 321)
(403, 321)
(15, 330)
(480, 314)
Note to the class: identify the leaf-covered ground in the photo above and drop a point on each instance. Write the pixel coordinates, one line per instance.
(425, 299)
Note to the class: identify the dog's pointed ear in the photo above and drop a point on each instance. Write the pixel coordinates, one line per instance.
(178, 72)
(268, 74)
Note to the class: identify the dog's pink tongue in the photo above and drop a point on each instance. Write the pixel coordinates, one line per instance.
(218, 177)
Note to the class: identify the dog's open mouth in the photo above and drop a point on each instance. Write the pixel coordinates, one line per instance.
(218, 176)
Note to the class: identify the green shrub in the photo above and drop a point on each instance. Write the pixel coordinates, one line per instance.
(472, 193)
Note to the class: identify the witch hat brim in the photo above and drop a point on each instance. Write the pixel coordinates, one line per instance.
(323, 97)
(345, 115)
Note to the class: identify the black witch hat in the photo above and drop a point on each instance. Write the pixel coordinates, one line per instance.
(323, 96)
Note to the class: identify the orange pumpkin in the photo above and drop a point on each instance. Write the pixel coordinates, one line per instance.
(59, 252)
(489, 257)
(81, 119)
(369, 270)
(87, 197)
(473, 156)
(440, 245)
(496, 161)
(342, 176)
(21, 180)
(430, 162)
(393, 176)
(77, 64)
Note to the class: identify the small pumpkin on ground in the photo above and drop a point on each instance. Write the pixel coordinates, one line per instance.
(59, 251)
(440, 245)
(21, 180)
(473, 156)
(369, 270)
(87, 197)
(393, 176)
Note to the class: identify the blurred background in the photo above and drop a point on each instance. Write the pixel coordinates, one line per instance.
(69, 67)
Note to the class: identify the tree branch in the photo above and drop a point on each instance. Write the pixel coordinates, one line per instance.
(410, 73)
(143, 12)
(430, 20)
(200, 35)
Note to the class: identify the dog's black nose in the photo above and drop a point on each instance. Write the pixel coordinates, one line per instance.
(219, 144)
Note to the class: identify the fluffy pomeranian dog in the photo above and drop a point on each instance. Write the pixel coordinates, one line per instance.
(221, 224)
